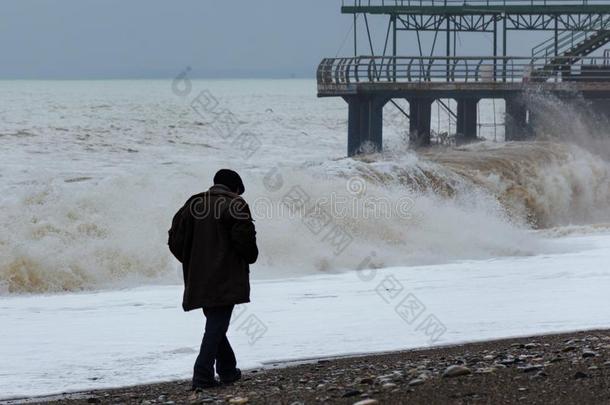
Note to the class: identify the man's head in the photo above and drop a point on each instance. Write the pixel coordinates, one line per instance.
(230, 179)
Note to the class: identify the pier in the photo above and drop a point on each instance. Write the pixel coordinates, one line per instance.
(571, 62)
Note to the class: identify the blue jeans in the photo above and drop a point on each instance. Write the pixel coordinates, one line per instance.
(215, 348)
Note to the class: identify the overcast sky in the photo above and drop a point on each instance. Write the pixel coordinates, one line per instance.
(158, 38)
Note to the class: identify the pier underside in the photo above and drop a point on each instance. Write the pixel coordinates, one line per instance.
(366, 103)
(367, 85)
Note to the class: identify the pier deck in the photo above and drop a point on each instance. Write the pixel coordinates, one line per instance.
(477, 7)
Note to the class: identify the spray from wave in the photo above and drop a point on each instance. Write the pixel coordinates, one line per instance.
(576, 121)
(544, 183)
(63, 236)
(471, 203)
(398, 208)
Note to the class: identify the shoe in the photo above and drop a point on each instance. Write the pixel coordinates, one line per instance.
(202, 385)
(231, 379)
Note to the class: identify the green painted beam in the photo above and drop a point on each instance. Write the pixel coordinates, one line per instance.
(481, 9)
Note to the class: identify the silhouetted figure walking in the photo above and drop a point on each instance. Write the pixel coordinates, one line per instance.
(214, 238)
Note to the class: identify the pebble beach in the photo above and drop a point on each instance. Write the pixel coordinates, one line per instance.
(572, 368)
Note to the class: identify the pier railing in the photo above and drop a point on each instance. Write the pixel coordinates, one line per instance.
(370, 69)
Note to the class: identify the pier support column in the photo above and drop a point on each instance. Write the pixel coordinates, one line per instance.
(516, 127)
(467, 119)
(420, 118)
(365, 124)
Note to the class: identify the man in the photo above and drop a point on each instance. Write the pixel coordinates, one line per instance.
(213, 236)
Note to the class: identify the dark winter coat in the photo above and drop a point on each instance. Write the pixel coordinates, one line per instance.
(213, 236)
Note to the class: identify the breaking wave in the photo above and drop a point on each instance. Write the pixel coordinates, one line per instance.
(104, 225)
(474, 202)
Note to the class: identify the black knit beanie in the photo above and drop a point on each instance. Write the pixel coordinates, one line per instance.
(230, 179)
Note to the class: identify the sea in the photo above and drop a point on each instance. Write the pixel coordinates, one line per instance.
(489, 239)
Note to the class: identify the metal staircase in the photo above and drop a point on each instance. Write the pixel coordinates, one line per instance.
(570, 47)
